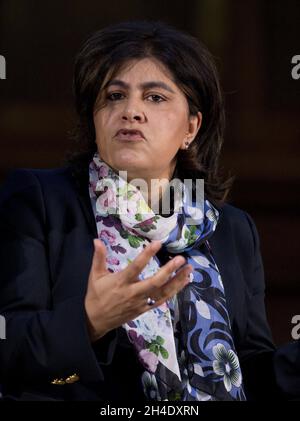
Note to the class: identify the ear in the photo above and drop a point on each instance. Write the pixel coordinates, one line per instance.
(195, 122)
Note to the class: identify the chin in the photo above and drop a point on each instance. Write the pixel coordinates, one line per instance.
(127, 163)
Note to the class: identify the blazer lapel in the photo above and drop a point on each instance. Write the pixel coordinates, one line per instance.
(81, 180)
(221, 250)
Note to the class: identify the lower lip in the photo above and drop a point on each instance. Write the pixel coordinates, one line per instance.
(129, 137)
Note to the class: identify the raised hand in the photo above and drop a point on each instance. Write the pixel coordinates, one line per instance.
(113, 299)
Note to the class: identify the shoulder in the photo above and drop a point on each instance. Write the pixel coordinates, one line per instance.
(239, 224)
(234, 216)
(33, 182)
(236, 234)
(25, 193)
(23, 178)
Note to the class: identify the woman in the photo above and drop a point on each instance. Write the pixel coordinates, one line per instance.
(110, 302)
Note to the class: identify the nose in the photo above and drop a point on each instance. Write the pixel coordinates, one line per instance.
(132, 116)
(131, 113)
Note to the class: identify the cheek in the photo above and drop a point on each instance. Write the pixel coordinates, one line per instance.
(99, 118)
(101, 123)
(100, 133)
(172, 128)
(97, 122)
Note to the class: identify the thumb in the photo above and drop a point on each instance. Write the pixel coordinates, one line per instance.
(99, 258)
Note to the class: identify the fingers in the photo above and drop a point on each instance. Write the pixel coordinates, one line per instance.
(174, 285)
(99, 258)
(162, 293)
(132, 271)
(162, 276)
(165, 272)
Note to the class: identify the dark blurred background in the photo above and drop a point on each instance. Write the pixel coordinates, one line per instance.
(253, 42)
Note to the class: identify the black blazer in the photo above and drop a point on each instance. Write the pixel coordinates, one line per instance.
(47, 228)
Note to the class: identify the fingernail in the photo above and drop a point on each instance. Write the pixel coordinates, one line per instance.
(179, 259)
(188, 279)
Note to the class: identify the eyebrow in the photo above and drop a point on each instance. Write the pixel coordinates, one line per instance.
(145, 85)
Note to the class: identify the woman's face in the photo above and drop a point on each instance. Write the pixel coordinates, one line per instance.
(143, 97)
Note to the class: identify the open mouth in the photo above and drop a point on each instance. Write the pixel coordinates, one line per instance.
(130, 135)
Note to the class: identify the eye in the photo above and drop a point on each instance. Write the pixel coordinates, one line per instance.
(114, 96)
(156, 98)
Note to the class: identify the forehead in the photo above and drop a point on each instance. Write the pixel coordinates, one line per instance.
(143, 69)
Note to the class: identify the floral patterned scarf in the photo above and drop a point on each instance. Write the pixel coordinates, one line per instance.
(184, 345)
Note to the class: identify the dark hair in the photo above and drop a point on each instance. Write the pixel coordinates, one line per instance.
(194, 72)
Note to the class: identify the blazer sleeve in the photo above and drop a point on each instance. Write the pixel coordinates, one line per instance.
(42, 342)
(258, 334)
(257, 349)
(287, 369)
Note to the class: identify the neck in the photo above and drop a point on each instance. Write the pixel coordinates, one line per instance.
(155, 190)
